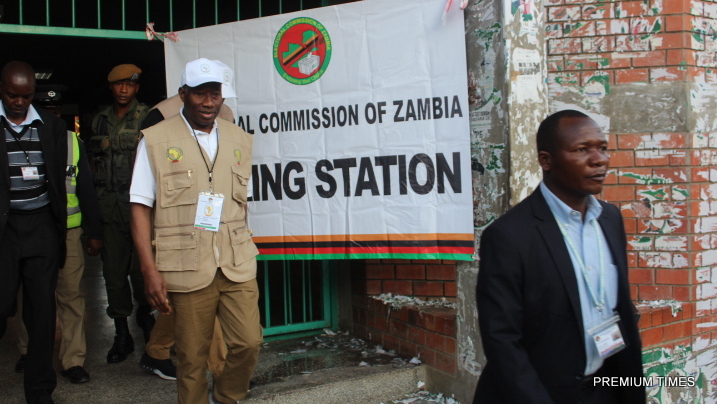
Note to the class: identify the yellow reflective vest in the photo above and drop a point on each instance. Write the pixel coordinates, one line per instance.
(74, 216)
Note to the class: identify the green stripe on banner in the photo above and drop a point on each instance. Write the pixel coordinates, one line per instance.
(456, 257)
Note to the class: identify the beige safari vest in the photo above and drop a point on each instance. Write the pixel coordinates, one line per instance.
(187, 257)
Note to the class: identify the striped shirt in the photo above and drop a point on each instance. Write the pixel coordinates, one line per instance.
(23, 150)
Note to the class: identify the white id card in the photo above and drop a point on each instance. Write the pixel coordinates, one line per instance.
(608, 338)
(30, 173)
(209, 211)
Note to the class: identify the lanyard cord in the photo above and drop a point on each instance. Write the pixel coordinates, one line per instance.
(209, 169)
(599, 304)
(19, 143)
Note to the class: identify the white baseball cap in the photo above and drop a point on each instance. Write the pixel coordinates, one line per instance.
(200, 71)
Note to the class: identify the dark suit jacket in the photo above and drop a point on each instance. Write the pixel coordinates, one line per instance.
(529, 310)
(53, 141)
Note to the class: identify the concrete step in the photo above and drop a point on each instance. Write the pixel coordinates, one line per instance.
(342, 385)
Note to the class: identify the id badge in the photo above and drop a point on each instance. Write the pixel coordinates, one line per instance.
(30, 173)
(209, 211)
(607, 337)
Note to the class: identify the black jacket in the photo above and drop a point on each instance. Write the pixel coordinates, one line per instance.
(529, 310)
(53, 140)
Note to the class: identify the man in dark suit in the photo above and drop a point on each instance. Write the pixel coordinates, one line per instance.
(33, 221)
(554, 305)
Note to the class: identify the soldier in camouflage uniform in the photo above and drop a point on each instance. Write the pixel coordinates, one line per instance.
(113, 144)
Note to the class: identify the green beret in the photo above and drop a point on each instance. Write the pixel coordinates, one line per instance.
(127, 72)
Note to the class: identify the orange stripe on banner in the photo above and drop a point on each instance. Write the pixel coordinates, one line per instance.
(366, 250)
(366, 237)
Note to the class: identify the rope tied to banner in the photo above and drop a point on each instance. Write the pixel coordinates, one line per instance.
(152, 34)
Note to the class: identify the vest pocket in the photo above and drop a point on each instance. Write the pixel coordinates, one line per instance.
(178, 188)
(242, 244)
(239, 184)
(176, 251)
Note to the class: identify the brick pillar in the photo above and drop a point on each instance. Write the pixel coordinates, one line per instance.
(646, 71)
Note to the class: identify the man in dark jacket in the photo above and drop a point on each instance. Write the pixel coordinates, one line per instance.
(33, 221)
(553, 299)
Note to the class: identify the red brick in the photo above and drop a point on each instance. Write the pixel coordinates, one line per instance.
(563, 13)
(450, 289)
(675, 23)
(427, 356)
(441, 272)
(623, 158)
(408, 348)
(627, 176)
(446, 363)
(379, 271)
(417, 335)
(675, 40)
(410, 272)
(435, 341)
(641, 275)
(373, 287)
(682, 293)
(578, 28)
(618, 193)
(631, 76)
(645, 320)
(561, 46)
(631, 141)
(673, 331)
(650, 58)
(675, 7)
(630, 226)
(450, 346)
(650, 337)
(674, 174)
(428, 288)
(650, 292)
(400, 315)
(679, 57)
(667, 74)
(398, 287)
(668, 318)
(633, 292)
(399, 329)
(390, 342)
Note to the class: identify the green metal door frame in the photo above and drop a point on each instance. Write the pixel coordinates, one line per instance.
(99, 32)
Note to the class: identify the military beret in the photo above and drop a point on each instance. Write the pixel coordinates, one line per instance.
(49, 94)
(127, 72)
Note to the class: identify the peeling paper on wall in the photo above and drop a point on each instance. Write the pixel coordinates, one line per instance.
(674, 305)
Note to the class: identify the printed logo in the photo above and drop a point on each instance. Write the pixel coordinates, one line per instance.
(175, 154)
(237, 155)
(204, 68)
(302, 50)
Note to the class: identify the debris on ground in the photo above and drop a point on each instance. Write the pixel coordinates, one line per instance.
(398, 302)
(424, 397)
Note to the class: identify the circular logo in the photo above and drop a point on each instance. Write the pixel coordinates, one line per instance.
(51, 93)
(175, 154)
(302, 50)
(204, 68)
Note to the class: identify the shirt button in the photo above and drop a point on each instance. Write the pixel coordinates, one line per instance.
(590, 268)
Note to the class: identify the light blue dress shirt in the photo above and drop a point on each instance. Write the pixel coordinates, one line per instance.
(31, 116)
(587, 242)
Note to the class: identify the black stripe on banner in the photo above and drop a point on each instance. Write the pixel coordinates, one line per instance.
(373, 243)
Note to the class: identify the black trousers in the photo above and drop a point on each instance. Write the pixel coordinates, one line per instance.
(29, 256)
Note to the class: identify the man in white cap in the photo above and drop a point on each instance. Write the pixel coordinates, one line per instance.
(188, 196)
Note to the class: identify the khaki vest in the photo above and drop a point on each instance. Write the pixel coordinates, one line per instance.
(187, 257)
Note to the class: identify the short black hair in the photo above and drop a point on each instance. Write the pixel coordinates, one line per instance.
(547, 137)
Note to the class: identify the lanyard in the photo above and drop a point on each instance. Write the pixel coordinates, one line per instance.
(598, 300)
(209, 169)
(19, 143)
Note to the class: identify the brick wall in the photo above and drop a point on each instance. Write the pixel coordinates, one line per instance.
(428, 332)
(663, 177)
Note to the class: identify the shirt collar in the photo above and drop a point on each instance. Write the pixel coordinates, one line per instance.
(31, 117)
(562, 211)
(198, 132)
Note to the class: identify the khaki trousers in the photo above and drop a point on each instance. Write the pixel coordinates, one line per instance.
(70, 306)
(235, 305)
(162, 339)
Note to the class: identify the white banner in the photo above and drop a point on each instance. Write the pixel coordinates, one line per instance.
(359, 114)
